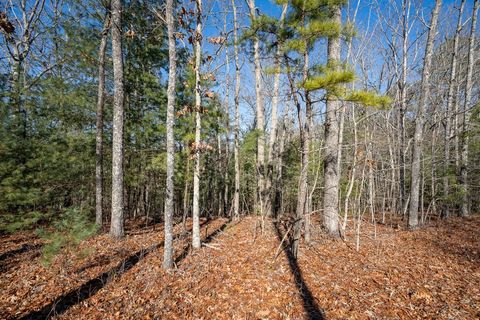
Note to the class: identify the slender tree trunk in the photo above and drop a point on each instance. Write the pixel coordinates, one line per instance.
(420, 120)
(198, 106)
(227, 114)
(279, 168)
(465, 206)
(116, 228)
(433, 169)
(303, 180)
(260, 119)
(186, 194)
(172, 75)
(272, 146)
(406, 5)
(351, 182)
(331, 180)
(99, 127)
(236, 197)
(448, 116)
(345, 105)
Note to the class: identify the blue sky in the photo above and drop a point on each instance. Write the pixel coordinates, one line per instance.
(367, 12)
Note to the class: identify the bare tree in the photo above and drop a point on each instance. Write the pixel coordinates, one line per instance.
(227, 115)
(448, 115)
(236, 195)
(116, 227)
(19, 41)
(260, 118)
(465, 207)
(420, 120)
(198, 105)
(172, 74)
(99, 127)
(272, 146)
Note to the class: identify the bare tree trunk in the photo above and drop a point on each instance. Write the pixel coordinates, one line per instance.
(351, 182)
(198, 105)
(303, 180)
(236, 197)
(371, 177)
(465, 206)
(433, 169)
(331, 180)
(420, 120)
(260, 119)
(116, 228)
(448, 110)
(227, 114)
(272, 146)
(99, 126)
(406, 5)
(279, 168)
(186, 193)
(172, 74)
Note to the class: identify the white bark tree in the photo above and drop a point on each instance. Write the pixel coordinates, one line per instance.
(198, 106)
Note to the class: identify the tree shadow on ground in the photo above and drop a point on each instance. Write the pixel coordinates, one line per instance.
(10, 259)
(24, 248)
(313, 311)
(91, 287)
(208, 239)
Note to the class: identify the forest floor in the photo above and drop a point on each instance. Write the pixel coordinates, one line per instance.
(242, 273)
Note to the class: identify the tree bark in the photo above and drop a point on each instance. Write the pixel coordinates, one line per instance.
(116, 228)
(448, 117)
(331, 178)
(305, 150)
(236, 197)
(227, 123)
(420, 120)
(99, 126)
(260, 119)
(406, 4)
(172, 74)
(198, 105)
(465, 206)
(272, 146)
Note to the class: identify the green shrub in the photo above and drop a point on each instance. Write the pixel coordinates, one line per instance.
(68, 230)
(15, 222)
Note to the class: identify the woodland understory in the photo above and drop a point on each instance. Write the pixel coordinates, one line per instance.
(242, 273)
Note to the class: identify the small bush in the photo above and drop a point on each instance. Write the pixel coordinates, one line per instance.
(11, 223)
(68, 230)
